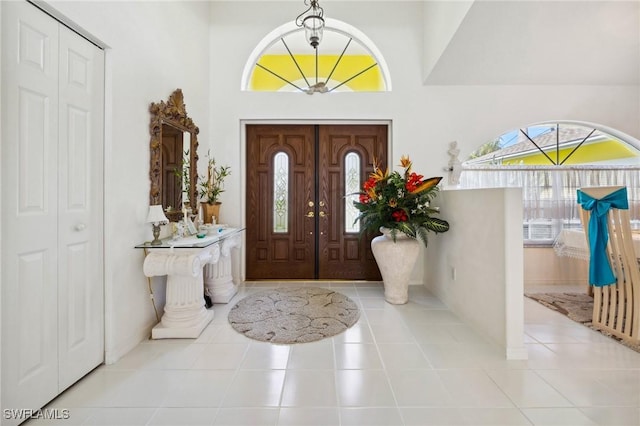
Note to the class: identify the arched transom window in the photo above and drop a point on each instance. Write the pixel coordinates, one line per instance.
(345, 61)
(550, 161)
(559, 144)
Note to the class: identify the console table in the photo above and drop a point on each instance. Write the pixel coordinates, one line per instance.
(194, 267)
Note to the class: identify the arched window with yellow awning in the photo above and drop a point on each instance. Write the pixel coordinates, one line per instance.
(345, 61)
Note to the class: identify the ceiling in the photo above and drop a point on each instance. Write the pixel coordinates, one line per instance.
(543, 43)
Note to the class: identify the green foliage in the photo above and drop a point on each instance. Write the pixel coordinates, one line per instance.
(487, 148)
(212, 185)
(400, 202)
(183, 175)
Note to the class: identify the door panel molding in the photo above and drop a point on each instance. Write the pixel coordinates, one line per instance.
(80, 208)
(52, 237)
(30, 100)
(291, 252)
(340, 255)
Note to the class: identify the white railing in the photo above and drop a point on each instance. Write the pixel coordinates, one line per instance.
(549, 192)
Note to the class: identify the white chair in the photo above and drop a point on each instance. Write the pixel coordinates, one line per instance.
(616, 307)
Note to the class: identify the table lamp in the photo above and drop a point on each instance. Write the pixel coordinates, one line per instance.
(156, 217)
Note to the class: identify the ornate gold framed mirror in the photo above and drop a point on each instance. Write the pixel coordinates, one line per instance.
(174, 156)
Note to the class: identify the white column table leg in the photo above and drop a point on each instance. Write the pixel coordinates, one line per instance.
(218, 277)
(184, 315)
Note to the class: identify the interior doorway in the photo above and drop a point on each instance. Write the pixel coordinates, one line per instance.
(300, 220)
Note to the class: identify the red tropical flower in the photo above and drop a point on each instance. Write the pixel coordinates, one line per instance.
(413, 181)
(400, 216)
(399, 201)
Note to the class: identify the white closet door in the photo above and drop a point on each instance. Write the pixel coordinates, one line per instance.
(80, 248)
(52, 212)
(29, 206)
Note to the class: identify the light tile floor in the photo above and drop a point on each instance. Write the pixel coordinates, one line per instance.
(415, 364)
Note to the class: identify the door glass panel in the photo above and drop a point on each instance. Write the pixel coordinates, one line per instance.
(351, 188)
(280, 192)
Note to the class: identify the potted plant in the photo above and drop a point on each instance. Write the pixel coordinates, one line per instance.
(400, 202)
(398, 205)
(183, 176)
(210, 188)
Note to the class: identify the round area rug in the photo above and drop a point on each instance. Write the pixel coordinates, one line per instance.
(293, 315)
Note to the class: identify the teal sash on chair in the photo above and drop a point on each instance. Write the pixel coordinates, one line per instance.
(600, 272)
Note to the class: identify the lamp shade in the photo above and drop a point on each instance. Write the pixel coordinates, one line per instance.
(156, 215)
(313, 26)
(313, 22)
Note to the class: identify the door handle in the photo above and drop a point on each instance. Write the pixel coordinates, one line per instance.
(80, 227)
(323, 214)
(310, 214)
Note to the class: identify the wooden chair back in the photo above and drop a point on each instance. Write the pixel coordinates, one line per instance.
(616, 307)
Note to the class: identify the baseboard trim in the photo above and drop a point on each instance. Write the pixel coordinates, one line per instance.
(112, 356)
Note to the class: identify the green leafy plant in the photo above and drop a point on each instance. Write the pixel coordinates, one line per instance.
(184, 176)
(399, 202)
(212, 185)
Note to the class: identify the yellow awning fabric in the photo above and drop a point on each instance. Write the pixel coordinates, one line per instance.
(586, 154)
(284, 66)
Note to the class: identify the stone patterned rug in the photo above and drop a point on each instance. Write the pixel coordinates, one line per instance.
(576, 306)
(293, 315)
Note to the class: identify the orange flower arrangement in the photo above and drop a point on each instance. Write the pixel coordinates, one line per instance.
(400, 202)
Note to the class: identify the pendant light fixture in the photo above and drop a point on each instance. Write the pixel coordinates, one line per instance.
(313, 22)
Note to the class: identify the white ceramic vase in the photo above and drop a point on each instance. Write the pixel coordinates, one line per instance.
(396, 260)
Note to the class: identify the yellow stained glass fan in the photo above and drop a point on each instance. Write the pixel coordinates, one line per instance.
(338, 64)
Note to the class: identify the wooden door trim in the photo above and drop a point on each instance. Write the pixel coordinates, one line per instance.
(292, 251)
(291, 121)
(244, 122)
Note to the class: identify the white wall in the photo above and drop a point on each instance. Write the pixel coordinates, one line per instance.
(425, 119)
(542, 266)
(541, 42)
(1, 186)
(476, 268)
(442, 20)
(153, 48)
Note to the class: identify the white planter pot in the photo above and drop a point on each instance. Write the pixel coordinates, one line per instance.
(396, 261)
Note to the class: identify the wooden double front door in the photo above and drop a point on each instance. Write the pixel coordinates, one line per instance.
(299, 219)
